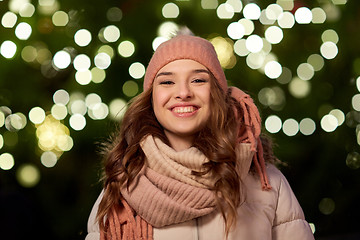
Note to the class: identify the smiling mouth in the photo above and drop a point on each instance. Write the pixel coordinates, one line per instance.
(187, 109)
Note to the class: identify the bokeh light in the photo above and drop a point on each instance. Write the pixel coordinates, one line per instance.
(254, 43)
(358, 83)
(126, 49)
(307, 126)
(353, 160)
(235, 30)
(225, 11)
(28, 175)
(340, 116)
(248, 25)
(8, 49)
(299, 88)
(316, 61)
(23, 31)
(9, 20)
(83, 77)
(329, 50)
(327, 206)
(290, 127)
(355, 102)
(303, 15)
(62, 59)
(273, 69)
(319, 15)
(82, 37)
(102, 60)
(273, 124)
(114, 14)
(329, 123)
(251, 11)
(130, 88)
(305, 71)
(37, 115)
(98, 75)
(330, 35)
(6, 161)
(77, 122)
(209, 4)
(286, 20)
(111, 33)
(137, 70)
(117, 108)
(170, 10)
(48, 159)
(274, 34)
(60, 18)
(225, 52)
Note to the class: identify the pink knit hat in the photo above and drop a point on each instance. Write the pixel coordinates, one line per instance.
(202, 51)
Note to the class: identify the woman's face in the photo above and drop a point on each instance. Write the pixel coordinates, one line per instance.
(181, 99)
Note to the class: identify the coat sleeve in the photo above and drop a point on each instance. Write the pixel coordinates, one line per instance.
(93, 226)
(289, 222)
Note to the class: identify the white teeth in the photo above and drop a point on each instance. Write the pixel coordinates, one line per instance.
(184, 109)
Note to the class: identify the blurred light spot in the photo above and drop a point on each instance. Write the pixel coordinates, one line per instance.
(37, 115)
(61, 97)
(264, 20)
(319, 15)
(312, 226)
(209, 4)
(286, 20)
(273, 11)
(9, 20)
(254, 43)
(78, 106)
(290, 127)
(236, 4)
(82, 62)
(157, 41)
(240, 48)
(28, 175)
(285, 76)
(355, 101)
(248, 25)
(274, 34)
(273, 69)
(107, 49)
(267, 48)
(60, 18)
(357, 134)
(299, 88)
(137, 70)
(307, 126)
(48, 7)
(339, 2)
(98, 75)
(48, 159)
(29, 53)
(273, 124)
(15, 122)
(98, 111)
(92, 99)
(83, 77)
(316, 61)
(329, 123)
(273, 97)
(59, 111)
(327, 206)
(77, 122)
(126, 49)
(358, 83)
(167, 29)
(225, 51)
(114, 14)
(53, 136)
(6, 161)
(305, 71)
(225, 11)
(303, 15)
(330, 36)
(27, 10)
(15, 5)
(255, 60)
(235, 30)
(117, 108)
(332, 12)
(62, 59)
(102, 60)
(340, 116)
(111, 33)
(329, 50)
(2, 119)
(8, 49)
(170, 10)
(82, 37)
(130, 88)
(252, 11)
(286, 4)
(1, 141)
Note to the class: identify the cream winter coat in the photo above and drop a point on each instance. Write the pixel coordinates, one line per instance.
(265, 215)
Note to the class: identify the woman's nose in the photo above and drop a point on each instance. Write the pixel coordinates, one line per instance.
(184, 91)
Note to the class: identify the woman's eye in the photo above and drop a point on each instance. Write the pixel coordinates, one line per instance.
(166, 82)
(199, 80)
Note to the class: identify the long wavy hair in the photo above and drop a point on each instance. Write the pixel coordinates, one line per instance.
(124, 157)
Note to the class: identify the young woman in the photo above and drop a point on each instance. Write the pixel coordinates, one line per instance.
(189, 161)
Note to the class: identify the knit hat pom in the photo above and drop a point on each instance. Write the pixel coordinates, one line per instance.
(252, 122)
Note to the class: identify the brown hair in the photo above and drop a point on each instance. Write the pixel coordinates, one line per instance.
(217, 140)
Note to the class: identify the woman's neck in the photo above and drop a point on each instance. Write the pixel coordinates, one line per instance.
(179, 143)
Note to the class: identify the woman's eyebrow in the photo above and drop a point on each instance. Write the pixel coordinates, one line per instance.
(201, 71)
(164, 74)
